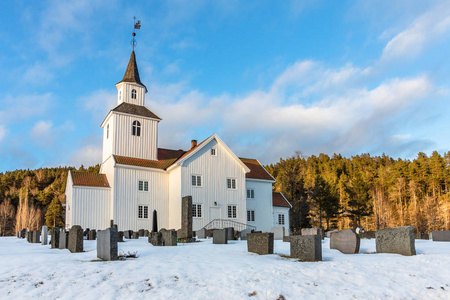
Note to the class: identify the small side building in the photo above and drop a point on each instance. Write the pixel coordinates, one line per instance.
(281, 207)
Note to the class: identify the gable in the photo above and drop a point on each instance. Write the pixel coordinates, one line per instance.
(278, 199)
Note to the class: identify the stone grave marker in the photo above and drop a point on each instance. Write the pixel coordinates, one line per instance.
(260, 243)
(128, 234)
(244, 234)
(107, 247)
(441, 236)
(86, 233)
(44, 235)
(120, 236)
(75, 239)
(63, 239)
(169, 237)
(278, 232)
(55, 237)
(328, 233)
(287, 239)
(230, 233)
(136, 235)
(306, 247)
(92, 235)
(36, 237)
(146, 232)
(367, 235)
(23, 233)
(155, 238)
(346, 241)
(201, 233)
(421, 236)
(186, 232)
(220, 236)
(141, 232)
(398, 240)
(29, 236)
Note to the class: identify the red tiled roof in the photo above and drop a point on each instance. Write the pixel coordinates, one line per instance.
(89, 179)
(256, 170)
(279, 200)
(190, 150)
(166, 157)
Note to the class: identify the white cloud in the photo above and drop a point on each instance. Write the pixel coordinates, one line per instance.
(2, 133)
(423, 30)
(99, 103)
(42, 133)
(17, 109)
(88, 155)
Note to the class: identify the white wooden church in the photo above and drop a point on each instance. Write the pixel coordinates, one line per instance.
(137, 177)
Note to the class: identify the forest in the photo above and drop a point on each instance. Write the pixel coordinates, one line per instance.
(374, 192)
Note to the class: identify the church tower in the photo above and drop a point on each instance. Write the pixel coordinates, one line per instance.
(130, 129)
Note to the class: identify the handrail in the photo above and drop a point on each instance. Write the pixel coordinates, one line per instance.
(223, 223)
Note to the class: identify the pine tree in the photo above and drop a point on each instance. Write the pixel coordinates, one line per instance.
(53, 217)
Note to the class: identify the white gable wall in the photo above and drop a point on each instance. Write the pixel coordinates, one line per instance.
(69, 199)
(281, 210)
(175, 198)
(261, 204)
(127, 197)
(124, 93)
(108, 139)
(107, 168)
(90, 207)
(214, 171)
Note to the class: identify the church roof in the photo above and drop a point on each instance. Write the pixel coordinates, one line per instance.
(278, 199)
(132, 73)
(134, 109)
(89, 179)
(166, 157)
(257, 171)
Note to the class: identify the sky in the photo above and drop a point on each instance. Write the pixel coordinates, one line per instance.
(271, 78)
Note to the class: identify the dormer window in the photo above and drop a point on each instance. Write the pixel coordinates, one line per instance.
(136, 128)
(133, 94)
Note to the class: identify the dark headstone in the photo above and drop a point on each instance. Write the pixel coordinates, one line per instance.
(23, 233)
(346, 241)
(36, 237)
(398, 240)
(141, 232)
(441, 236)
(155, 238)
(367, 235)
(186, 218)
(169, 237)
(230, 233)
(201, 233)
(115, 226)
(111, 223)
(29, 236)
(421, 236)
(63, 239)
(128, 234)
(86, 233)
(136, 235)
(155, 221)
(92, 235)
(306, 247)
(120, 236)
(107, 248)
(44, 235)
(75, 239)
(286, 239)
(260, 243)
(55, 237)
(220, 236)
(146, 232)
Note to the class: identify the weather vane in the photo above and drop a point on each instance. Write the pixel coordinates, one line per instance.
(137, 25)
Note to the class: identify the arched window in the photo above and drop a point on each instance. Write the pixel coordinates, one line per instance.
(133, 94)
(136, 128)
(107, 131)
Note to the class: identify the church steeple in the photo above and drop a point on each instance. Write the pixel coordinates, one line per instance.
(132, 73)
(130, 88)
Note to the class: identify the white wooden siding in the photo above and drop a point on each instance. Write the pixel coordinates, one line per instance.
(127, 197)
(281, 210)
(108, 141)
(175, 199)
(261, 204)
(214, 170)
(126, 144)
(69, 199)
(126, 88)
(91, 207)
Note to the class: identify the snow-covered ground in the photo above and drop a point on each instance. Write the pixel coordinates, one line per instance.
(207, 271)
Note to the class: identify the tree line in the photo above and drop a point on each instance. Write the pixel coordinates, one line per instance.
(374, 192)
(32, 198)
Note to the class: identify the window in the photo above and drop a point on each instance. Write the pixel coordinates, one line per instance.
(143, 185)
(231, 183)
(143, 212)
(213, 152)
(232, 212)
(133, 94)
(196, 180)
(120, 95)
(250, 215)
(250, 193)
(196, 210)
(107, 131)
(281, 219)
(136, 128)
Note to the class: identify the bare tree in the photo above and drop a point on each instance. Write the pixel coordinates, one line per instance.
(7, 214)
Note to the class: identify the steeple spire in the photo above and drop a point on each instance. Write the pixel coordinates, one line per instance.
(132, 73)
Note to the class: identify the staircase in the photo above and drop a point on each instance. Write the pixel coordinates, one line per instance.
(223, 223)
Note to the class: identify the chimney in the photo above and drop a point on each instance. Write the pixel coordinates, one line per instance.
(193, 144)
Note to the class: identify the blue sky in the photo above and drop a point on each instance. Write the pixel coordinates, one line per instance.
(269, 77)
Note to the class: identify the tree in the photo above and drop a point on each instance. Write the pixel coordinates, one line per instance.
(53, 217)
(359, 203)
(324, 200)
(7, 214)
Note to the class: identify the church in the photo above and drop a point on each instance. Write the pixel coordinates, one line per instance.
(136, 177)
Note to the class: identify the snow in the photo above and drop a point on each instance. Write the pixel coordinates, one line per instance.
(206, 271)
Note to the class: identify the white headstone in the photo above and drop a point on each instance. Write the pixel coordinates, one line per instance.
(44, 235)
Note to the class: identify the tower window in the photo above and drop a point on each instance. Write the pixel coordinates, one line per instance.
(133, 94)
(136, 128)
(107, 131)
(120, 95)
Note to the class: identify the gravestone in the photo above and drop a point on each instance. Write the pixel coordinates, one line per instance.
(44, 236)
(107, 248)
(75, 239)
(155, 221)
(328, 233)
(23, 233)
(220, 236)
(367, 235)
(311, 231)
(29, 236)
(421, 236)
(120, 236)
(398, 240)
(306, 247)
(201, 233)
(441, 236)
(346, 241)
(286, 239)
(55, 237)
(260, 243)
(230, 233)
(136, 235)
(244, 234)
(63, 239)
(186, 218)
(141, 232)
(92, 235)
(86, 233)
(146, 233)
(278, 232)
(128, 234)
(169, 237)
(36, 237)
(155, 238)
